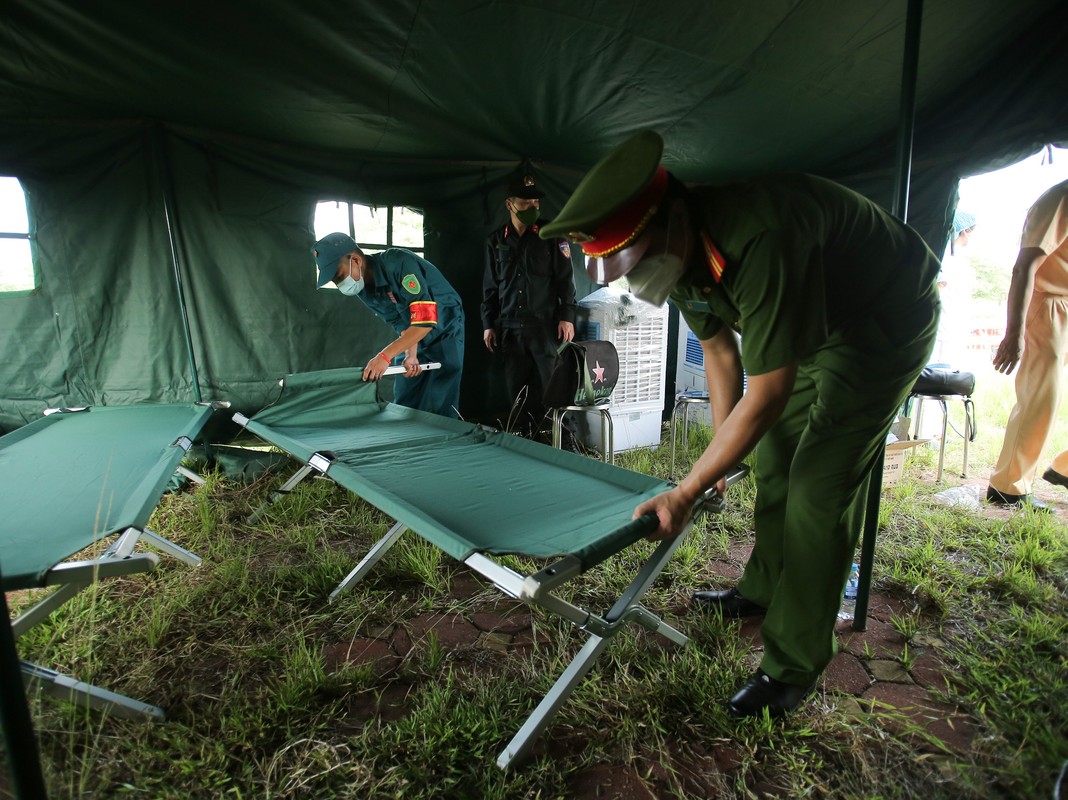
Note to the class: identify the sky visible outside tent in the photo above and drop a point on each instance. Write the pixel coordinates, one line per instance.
(999, 200)
(974, 283)
(16, 270)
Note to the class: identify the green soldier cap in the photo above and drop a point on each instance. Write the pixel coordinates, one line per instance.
(328, 252)
(612, 206)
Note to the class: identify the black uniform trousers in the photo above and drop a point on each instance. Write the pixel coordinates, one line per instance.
(529, 353)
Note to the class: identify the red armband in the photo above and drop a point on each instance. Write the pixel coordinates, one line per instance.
(385, 358)
(423, 312)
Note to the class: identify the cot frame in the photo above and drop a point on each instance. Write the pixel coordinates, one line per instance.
(70, 578)
(537, 589)
(73, 577)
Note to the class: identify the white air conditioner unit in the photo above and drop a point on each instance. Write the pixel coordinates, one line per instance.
(639, 333)
(690, 371)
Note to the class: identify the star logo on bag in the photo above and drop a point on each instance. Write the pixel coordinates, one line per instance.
(598, 372)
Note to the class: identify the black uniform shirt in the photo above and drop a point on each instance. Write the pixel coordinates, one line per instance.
(527, 280)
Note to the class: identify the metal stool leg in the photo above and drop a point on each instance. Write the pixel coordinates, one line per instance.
(610, 441)
(942, 444)
(557, 435)
(674, 425)
(967, 438)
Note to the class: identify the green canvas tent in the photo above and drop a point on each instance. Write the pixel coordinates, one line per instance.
(172, 154)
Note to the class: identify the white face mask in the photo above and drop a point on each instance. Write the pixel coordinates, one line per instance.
(652, 279)
(350, 287)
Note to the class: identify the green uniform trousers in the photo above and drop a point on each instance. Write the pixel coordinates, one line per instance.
(812, 471)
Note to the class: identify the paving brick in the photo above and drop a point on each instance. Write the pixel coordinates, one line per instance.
(451, 630)
(888, 670)
(507, 622)
(497, 642)
(928, 670)
(951, 726)
(880, 640)
(845, 673)
(373, 652)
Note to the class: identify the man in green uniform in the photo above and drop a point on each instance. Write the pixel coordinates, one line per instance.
(837, 306)
(412, 297)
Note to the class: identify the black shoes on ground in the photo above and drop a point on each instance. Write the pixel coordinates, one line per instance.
(730, 603)
(994, 497)
(1053, 476)
(762, 692)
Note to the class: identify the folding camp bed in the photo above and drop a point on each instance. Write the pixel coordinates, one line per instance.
(76, 478)
(476, 494)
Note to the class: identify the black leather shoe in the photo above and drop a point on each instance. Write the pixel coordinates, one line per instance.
(764, 692)
(1053, 476)
(994, 497)
(729, 602)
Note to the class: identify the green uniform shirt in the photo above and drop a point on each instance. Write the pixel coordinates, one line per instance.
(803, 256)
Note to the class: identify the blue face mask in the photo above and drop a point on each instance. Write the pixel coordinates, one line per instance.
(350, 287)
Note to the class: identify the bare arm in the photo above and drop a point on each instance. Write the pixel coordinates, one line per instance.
(723, 372)
(407, 343)
(737, 433)
(1023, 281)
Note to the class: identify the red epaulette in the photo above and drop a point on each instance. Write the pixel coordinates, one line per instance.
(716, 262)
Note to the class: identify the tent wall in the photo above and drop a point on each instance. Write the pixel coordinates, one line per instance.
(104, 325)
(108, 135)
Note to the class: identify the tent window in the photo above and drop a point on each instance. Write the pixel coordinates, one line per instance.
(16, 263)
(374, 227)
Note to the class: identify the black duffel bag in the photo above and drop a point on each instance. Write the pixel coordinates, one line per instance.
(942, 380)
(585, 373)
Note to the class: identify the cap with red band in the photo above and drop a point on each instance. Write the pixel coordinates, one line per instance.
(626, 224)
(613, 204)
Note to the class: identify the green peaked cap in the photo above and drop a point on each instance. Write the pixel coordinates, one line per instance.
(609, 186)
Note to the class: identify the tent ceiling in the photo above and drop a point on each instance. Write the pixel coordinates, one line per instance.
(735, 88)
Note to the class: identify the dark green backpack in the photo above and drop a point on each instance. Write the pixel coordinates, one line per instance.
(585, 373)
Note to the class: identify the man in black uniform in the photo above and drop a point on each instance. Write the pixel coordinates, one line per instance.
(528, 303)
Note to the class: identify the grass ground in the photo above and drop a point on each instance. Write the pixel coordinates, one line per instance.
(411, 684)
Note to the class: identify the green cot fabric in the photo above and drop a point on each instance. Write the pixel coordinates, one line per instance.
(462, 487)
(73, 478)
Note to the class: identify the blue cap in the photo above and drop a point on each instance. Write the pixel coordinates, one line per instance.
(328, 252)
(962, 221)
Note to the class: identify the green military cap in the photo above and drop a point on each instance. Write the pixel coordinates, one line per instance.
(613, 204)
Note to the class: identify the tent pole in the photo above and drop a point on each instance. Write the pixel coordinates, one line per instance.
(907, 115)
(171, 222)
(15, 721)
(906, 124)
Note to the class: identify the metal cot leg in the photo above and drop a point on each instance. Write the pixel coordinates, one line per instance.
(368, 563)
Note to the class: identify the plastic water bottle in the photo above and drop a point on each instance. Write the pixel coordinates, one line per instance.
(849, 599)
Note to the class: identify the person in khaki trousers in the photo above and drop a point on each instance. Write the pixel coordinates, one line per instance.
(1036, 338)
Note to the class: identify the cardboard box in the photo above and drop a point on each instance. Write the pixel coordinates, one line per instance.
(894, 461)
